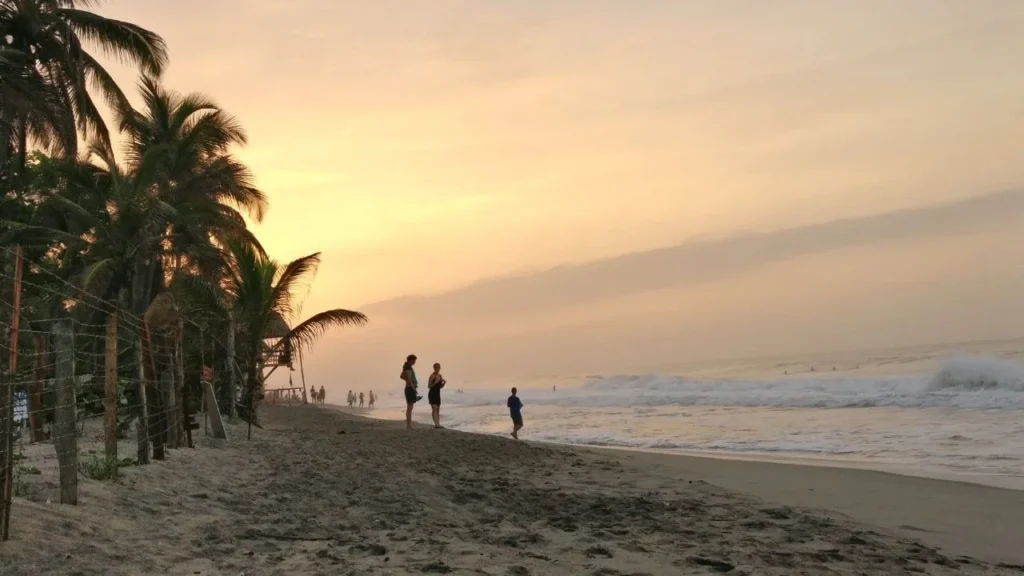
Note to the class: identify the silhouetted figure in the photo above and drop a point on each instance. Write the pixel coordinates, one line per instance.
(434, 385)
(515, 408)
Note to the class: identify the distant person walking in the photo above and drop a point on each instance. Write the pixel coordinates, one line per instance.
(323, 395)
(411, 386)
(434, 385)
(515, 408)
(373, 398)
(361, 399)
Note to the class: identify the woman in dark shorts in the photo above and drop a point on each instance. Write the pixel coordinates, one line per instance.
(434, 385)
(411, 384)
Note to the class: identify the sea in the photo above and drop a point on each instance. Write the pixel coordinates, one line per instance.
(953, 411)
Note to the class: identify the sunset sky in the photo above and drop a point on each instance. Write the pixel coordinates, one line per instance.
(426, 146)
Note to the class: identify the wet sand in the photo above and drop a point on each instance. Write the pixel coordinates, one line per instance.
(322, 492)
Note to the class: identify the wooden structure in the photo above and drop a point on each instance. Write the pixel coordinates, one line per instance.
(277, 352)
(289, 396)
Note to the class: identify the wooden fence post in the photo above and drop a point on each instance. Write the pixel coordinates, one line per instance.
(154, 399)
(110, 395)
(141, 424)
(7, 408)
(169, 405)
(35, 391)
(65, 437)
(182, 393)
(302, 372)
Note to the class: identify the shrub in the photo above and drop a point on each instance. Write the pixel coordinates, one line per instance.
(103, 468)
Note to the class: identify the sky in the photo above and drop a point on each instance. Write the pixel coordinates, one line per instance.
(520, 187)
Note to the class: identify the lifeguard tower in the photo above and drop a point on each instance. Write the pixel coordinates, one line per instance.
(277, 352)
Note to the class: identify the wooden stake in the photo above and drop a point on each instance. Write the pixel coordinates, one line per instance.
(153, 396)
(302, 373)
(141, 422)
(35, 393)
(65, 438)
(7, 409)
(110, 387)
(179, 391)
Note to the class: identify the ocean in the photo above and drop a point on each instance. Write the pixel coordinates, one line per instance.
(951, 411)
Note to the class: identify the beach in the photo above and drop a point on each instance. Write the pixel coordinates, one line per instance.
(320, 491)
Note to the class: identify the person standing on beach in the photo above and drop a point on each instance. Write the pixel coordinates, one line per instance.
(515, 408)
(435, 383)
(361, 399)
(322, 395)
(411, 397)
(372, 399)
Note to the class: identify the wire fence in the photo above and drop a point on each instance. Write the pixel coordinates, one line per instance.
(98, 386)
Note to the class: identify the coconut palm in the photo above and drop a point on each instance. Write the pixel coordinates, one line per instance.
(52, 34)
(28, 101)
(264, 297)
(197, 171)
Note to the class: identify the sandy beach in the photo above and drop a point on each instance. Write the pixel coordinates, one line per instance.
(323, 492)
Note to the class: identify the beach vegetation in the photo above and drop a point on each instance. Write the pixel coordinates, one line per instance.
(103, 468)
(137, 230)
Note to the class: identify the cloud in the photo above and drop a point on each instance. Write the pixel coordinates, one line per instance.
(696, 262)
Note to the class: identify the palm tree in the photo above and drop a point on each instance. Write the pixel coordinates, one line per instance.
(197, 171)
(197, 175)
(28, 100)
(264, 298)
(100, 222)
(50, 36)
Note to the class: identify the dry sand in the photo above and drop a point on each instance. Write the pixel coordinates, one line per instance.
(321, 492)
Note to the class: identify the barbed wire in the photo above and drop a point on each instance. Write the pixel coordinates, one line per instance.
(152, 393)
(84, 294)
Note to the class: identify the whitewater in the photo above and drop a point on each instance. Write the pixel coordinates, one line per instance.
(925, 411)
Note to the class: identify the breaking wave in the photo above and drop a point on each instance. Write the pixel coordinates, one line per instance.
(961, 382)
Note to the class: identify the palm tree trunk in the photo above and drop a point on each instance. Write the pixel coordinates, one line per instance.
(22, 151)
(232, 373)
(5, 142)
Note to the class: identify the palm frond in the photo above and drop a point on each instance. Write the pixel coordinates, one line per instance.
(95, 271)
(123, 41)
(292, 280)
(303, 336)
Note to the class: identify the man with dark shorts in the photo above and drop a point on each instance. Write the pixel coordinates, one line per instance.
(411, 397)
(515, 408)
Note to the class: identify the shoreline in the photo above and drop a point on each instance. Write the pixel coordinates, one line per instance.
(320, 491)
(1004, 482)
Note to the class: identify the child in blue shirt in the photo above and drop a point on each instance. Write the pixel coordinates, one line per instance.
(515, 408)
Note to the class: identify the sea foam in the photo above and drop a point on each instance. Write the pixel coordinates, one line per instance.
(961, 382)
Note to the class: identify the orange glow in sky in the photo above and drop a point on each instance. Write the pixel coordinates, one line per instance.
(425, 146)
